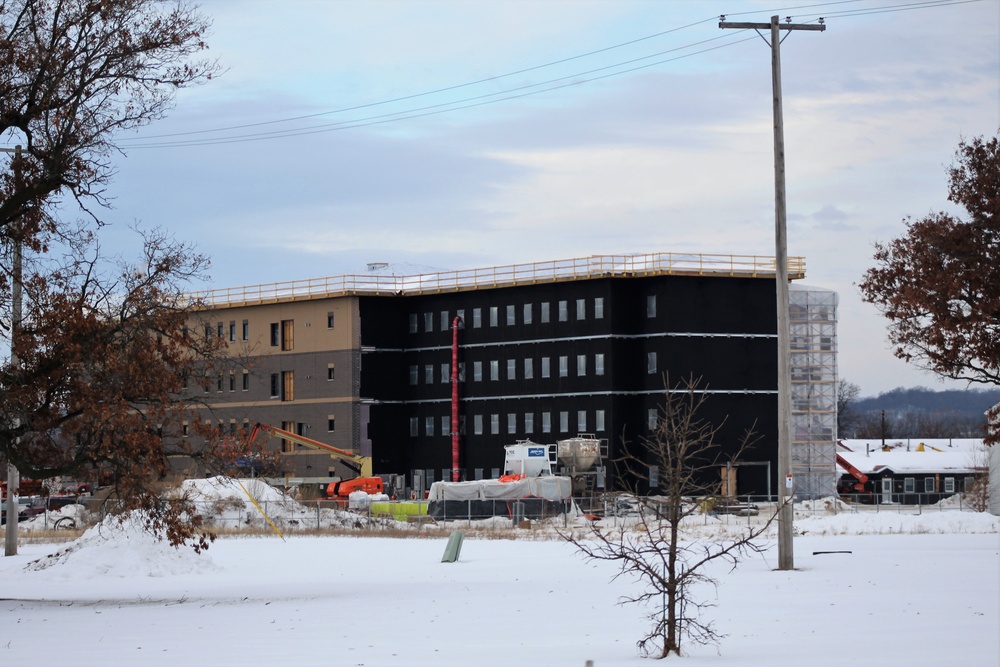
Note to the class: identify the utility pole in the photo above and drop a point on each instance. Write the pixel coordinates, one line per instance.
(13, 477)
(786, 560)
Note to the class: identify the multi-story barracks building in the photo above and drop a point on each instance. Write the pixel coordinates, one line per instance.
(542, 352)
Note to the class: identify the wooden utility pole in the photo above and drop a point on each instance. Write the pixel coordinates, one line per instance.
(786, 560)
(13, 477)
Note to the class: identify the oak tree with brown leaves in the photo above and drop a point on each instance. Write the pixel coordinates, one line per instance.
(939, 284)
(100, 383)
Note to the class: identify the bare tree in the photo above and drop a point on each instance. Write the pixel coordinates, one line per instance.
(683, 461)
(847, 394)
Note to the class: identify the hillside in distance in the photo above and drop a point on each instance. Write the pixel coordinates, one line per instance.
(921, 399)
(918, 412)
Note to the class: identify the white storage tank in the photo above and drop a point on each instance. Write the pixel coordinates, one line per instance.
(527, 458)
(580, 453)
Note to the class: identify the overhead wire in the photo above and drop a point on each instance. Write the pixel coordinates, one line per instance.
(445, 89)
(456, 105)
(578, 78)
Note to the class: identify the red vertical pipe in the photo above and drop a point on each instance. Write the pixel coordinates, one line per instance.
(454, 398)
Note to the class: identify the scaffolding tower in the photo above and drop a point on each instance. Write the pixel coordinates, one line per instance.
(813, 324)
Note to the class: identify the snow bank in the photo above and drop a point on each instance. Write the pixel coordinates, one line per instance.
(885, 523)
(121, 548)
(225, 502)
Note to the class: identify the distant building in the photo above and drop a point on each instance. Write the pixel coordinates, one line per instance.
(916, 471)
(545, 351)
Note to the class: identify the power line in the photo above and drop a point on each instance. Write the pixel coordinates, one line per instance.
(549, 85)
(889, 9)
(456, 105)
(446, 88)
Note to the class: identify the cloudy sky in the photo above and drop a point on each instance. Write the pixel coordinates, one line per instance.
(462, 134)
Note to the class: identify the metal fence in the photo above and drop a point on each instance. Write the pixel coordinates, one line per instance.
(288, 515)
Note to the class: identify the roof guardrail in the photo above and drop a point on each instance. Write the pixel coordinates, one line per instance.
(595, 266)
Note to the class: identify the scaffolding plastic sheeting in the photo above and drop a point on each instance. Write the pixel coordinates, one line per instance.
(549, 488)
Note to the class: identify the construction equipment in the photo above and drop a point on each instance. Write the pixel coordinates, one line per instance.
(360, 465)
(860, 486)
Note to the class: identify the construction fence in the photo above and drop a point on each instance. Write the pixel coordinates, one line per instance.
(289, 515)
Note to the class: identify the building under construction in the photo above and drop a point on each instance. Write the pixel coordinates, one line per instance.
(433, 374)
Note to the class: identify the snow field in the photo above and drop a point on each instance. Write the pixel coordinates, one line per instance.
(914, 590)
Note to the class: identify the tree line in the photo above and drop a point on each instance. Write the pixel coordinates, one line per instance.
(913, 413)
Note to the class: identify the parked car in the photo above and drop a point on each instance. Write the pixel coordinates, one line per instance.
(42, 504)
(21, 514)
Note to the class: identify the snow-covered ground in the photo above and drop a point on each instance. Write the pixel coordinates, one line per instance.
(913, 590)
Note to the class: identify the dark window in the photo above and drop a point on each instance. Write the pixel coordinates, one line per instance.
(246, 329)
(232, 331)
(329, 320)
(275, 385)
(275, 334)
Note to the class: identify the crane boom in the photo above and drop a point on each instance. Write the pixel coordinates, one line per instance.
(857, 474)
(362, 465)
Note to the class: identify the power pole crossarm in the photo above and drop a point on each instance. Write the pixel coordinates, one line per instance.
(785, 482)
(767, 26)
